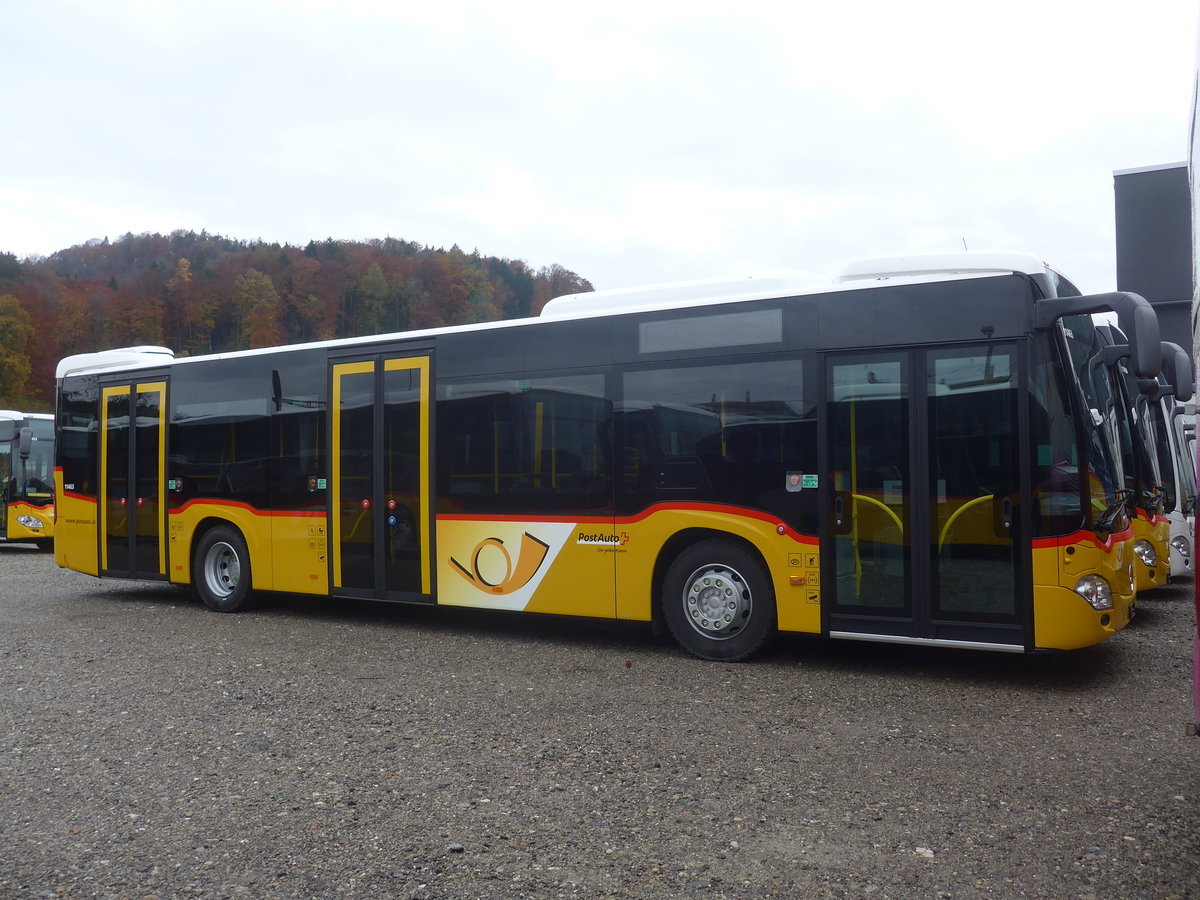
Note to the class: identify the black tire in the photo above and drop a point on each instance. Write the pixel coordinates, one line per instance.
(221, 570)
(404, 532)
(718, 601)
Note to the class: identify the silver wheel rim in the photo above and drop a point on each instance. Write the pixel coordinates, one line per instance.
(403, 531)
(222, 569)
(717, 601)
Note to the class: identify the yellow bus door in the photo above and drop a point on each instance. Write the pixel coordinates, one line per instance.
(924, 452)
(380, 510)
(132, 480)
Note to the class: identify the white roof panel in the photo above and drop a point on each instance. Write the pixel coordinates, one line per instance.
(125, 357)
(928, 266)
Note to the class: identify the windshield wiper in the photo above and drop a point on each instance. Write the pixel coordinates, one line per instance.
(1119, 507)
(1151, 500)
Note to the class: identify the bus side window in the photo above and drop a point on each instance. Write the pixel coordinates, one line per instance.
(727, 433)
(541, 444)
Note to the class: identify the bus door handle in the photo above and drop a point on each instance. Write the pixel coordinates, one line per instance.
(841, 523)
(1004, 520)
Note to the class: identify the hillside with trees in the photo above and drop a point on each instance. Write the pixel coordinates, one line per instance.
(201, 293)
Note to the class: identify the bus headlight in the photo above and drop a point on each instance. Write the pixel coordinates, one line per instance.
(1182, 546)
(1096, 591)
(1144, 551)
(33, 523)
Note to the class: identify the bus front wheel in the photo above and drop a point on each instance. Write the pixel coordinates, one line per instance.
(221, 570)
(718, 601)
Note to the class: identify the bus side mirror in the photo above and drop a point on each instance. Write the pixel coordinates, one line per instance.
(1177, 370)
(26, 443)
(1135, 317)
(1144, 340)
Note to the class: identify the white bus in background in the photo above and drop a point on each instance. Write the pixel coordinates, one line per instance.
(1172, 413)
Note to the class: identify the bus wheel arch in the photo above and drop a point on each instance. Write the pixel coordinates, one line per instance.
(221, 578)
(714, 593)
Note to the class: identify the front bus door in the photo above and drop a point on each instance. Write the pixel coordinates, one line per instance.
(380, 491)
(922, 541)
(132, 480)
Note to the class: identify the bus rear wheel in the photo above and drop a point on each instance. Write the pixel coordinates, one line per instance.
(718, 601)
(221, 570)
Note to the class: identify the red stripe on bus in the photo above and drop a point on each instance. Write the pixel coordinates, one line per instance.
(734, 511)
(1079, 536)
(226, 504)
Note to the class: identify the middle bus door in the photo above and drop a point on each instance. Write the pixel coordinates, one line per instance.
(380, 487)
(924, 476)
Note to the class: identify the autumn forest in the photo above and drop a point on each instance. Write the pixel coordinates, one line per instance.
(201, 293)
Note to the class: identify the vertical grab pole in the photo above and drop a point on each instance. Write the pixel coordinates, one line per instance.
(854, 497)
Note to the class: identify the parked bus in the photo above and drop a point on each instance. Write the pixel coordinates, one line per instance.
(1178, 471)
(27, 478)
(1144, 479)
(891, 456)
(1108, 447)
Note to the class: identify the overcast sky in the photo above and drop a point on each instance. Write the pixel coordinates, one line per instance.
(632, 142)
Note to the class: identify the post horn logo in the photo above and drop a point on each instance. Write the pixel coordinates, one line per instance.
(529, 560)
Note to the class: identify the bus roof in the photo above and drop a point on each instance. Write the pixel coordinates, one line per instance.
(854, 275)
(16, 416)
(860, 275)
(730, 289)
(978, 263)
(114, 359)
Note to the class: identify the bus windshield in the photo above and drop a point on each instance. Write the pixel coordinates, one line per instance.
(36, 477)
(1103, 424)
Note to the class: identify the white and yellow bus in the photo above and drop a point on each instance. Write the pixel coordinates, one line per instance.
(899, 454)
(1177, 467)
(27, 478)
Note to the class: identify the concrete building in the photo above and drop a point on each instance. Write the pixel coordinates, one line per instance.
(1154, 243)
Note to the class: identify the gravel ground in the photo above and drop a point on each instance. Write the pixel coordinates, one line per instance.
(150, 748)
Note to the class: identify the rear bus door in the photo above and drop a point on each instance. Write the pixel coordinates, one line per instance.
(133, 479)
